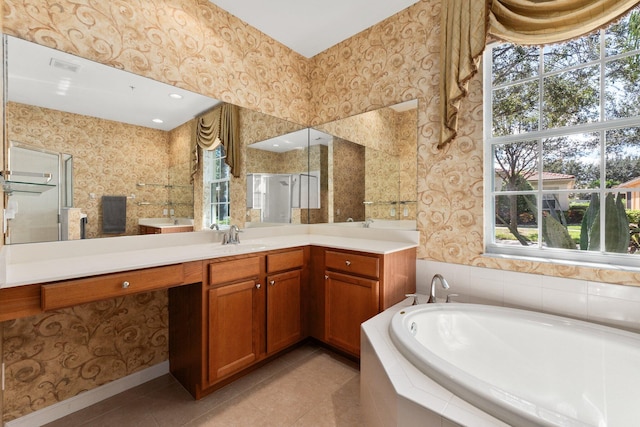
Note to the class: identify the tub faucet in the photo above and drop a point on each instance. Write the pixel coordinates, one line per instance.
(443, 282)
(214, 226)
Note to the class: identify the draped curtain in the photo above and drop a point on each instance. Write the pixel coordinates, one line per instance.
(466, 24)
(217, 126)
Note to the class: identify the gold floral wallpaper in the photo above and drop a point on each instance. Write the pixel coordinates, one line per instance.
(407, 137)
(59, 354)
(373, 129)
(346, 181)
(109, 158)
(180, 192)
(195, 45)
(318, 156)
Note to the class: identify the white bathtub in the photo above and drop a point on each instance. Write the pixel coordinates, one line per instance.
(525, 368)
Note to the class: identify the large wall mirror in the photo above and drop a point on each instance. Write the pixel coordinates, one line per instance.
(79, 133)
(370, 163)
(357, 171)
(92, 136)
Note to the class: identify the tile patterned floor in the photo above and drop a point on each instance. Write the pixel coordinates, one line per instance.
(310, 386)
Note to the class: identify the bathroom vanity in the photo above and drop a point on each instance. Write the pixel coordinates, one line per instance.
(164, 225)
(231, 307)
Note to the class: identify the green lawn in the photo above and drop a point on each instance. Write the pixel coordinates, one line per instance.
(502, 233)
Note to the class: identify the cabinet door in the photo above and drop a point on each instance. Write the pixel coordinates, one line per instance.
(283, 310)
(233, 328)
(349, 301)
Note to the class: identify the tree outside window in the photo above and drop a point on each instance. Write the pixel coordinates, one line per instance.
(563, 145)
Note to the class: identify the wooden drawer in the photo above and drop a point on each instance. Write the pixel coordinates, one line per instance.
(79, 291)
(231, 271)
(362, 265)
(20, 301)
(285, 260)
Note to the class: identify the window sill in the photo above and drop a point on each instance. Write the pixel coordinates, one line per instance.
(565, 263)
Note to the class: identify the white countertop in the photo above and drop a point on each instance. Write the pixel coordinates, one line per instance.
(166, 222)
(47, 262)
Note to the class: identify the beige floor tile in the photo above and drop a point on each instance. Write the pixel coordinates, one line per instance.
(237, 412)
(309, 386)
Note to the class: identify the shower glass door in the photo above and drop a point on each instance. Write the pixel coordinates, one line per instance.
(37, 215)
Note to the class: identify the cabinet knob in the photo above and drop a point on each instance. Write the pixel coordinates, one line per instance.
(348, 263)
(125, 284)
(257, 285)
(272, 283)
(326, 277)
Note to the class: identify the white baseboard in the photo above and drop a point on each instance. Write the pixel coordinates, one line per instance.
(88, 398)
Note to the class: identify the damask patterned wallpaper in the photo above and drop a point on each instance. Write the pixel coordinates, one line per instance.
(346, 181)
(56, 355)
(181, 191)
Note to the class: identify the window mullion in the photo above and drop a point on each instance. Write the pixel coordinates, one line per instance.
(603, 186)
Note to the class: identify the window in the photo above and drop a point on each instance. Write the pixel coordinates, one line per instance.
(562, 141)
(217, 180)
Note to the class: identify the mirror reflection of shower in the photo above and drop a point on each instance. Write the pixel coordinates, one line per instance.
(40, 210)
(275, 195)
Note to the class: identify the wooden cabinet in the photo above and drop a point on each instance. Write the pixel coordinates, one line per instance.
(149, 229)
(78, 291)
(235, 316)
(284, 299)
(350, 300)
(354, 287)
(251, 308)
(233, 328)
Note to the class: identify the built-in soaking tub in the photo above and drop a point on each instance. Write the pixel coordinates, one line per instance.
(525, 368)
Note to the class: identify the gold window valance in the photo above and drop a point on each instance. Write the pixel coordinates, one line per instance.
(217, 126)
(466, 24)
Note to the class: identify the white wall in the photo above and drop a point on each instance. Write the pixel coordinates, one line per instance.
(614, 305)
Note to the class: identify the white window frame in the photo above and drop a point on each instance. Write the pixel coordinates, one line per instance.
(539, 252)
(217, 181)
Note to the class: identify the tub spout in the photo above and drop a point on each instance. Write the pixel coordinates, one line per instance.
(443, 282)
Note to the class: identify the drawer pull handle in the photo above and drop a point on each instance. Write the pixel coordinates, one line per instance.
(272, 283)
(125, 285)
(348, 263)
(257, 285)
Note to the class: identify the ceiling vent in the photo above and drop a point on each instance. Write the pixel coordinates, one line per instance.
(64, 65)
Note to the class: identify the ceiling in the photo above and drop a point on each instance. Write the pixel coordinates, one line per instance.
(312, 26)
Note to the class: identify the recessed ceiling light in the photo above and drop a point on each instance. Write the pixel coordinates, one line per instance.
(64, 65)
(175, 96)
(276, 145)
(157, 121)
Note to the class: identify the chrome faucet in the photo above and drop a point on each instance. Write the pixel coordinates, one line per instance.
(231, 236)
(214, 226)
(367, 223)
(443, 282)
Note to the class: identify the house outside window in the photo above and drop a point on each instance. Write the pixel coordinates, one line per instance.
(562, 141)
